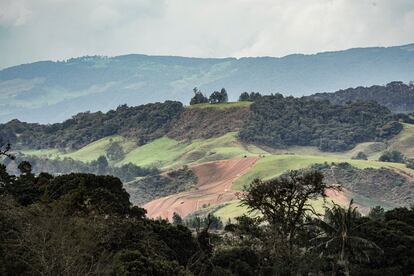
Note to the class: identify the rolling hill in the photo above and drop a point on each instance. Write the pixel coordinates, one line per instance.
(224, 147)
(50, 91)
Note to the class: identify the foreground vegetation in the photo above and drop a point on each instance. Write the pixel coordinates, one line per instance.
(84, 224)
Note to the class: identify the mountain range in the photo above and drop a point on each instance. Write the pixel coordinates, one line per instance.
(49, 91)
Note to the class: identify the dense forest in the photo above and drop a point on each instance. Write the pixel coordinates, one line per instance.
(278, 121)
(144, 123)
(396, 96)
(82, 224)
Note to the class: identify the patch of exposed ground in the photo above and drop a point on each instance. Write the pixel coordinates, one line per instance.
(214, 187)
(204, 123)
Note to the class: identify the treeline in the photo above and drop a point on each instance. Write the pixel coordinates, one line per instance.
(278, 121)
(144, 123)
(396, 96)
(221, 97)
(101, 166)
(215, 97)
(81, 224)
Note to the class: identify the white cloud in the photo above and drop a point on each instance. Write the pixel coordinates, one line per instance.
(57, 29)
(13, 13)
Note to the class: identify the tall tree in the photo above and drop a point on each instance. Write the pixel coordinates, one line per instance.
(339, 241)
(177, 219)
(219, 97)
(285, 204)
(115, 152)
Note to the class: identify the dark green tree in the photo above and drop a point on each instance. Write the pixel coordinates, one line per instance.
(244, 97)
(115, 152)
(219, 97)
(339, 241)
(101, 165)
(285, 205)
(176, 219)
(360, 156)
(377, 213)
(392, 156)
(198, 97)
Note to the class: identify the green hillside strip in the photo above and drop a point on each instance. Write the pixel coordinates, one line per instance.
(404, 141)
(86, 154)
(231, 210)
(220, 105)
(49, 153)
(96, 149)
(168, 153)
(272, 166)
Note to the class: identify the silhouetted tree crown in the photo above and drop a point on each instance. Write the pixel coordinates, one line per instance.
(198, 97)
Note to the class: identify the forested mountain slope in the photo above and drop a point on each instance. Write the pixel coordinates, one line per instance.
(53, 91)
(396, 96)
(274, 121)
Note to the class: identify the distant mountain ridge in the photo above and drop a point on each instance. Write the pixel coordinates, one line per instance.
(49, 91)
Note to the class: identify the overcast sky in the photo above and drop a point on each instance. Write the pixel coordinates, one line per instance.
(32, 30)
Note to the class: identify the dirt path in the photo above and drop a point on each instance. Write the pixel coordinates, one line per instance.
(214, 187)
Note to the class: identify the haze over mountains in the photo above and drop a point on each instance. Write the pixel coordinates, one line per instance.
(49, 91)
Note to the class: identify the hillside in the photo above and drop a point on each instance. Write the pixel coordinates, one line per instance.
(273, 121)
(181, 159)
(396, 96)
(50, 91)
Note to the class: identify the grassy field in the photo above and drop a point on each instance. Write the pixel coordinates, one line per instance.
(404, 141)
(231, 210)
(220, 105)
(163, 153)
(272, 166)
(167, 153)
(96, 149)
(49, 153)
(88, 153)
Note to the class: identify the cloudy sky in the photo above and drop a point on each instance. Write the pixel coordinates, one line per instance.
(32, 30)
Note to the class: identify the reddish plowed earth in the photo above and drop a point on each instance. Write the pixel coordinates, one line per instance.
(214, 187)
(343, 198)
(339, 197)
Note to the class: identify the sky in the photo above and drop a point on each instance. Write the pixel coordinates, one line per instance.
(32, 30)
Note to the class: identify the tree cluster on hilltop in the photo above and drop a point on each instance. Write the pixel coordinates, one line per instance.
(396, 96)
(246, 97)
(215, 97)
(278, 121)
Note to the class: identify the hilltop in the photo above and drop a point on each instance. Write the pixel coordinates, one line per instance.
(49, 92)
